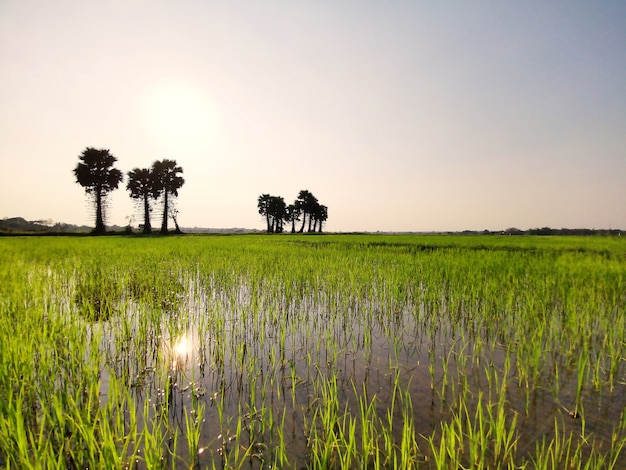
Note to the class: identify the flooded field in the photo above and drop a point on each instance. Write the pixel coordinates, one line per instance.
(325, 351)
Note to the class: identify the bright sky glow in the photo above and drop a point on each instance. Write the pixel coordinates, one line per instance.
(398, 116)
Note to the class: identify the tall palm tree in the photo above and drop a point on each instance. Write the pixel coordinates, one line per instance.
(263, 203)
(141, 185)
(274, 209)
(278, 210)
(306, 202)
(293, 215)
(167, 182)
(321, 216)
(96, 174)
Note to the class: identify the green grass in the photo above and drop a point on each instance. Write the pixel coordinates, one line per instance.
(322, 351)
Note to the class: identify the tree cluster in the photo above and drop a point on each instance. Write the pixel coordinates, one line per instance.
(95, 172)
(306, 208)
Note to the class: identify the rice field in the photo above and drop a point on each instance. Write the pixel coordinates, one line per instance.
(313, 351)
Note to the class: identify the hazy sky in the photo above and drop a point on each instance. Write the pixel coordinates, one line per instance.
(399, 115)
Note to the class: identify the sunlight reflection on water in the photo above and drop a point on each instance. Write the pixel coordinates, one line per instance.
(182, 348)
(233, 369)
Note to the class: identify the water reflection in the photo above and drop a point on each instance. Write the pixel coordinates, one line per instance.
(182, 350)
(251, 382)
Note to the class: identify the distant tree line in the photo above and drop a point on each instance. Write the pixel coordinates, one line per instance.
(305, 209)
(561, 231)
(545, 231)
(96, 173)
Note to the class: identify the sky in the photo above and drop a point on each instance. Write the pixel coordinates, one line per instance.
(398, 116)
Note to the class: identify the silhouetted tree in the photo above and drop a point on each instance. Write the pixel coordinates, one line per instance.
(174, 215)
(319, 215)
(274, 209)
(278, 210)
(142, 187)
(96, 174)
(264, 209)
(167, 183)
(293, 215)
(306, 203)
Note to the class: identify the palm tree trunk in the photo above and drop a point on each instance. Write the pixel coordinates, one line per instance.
(165, 213)
(303, 221)
(146, 215)
(100, 228)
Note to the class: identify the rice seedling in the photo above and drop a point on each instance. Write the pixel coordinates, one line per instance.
(324, 351)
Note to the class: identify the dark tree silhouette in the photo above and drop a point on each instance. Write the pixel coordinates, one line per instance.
(293, 215)
(263, 203)
(174, 215)
(319, 215)
(278, 209)
(142, 187)
(307, 203)
(276, 212)
(274, 209)
(96, 174)
(167, 183)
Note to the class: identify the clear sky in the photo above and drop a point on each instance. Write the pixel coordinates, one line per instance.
(398, 116)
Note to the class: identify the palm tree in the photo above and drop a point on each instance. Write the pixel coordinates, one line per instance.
(321, 216)
(306, 202)
(141, 185)
(264, 209)
(274, 209)
(96, 174)
(293, 215)
(167, 182)
(278, 210)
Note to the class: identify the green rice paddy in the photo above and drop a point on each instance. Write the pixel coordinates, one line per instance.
(313, 351)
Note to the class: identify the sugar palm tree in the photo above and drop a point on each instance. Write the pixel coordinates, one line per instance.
(141, 185)
(321, 216)
(263, 203)
(167, 183)
(278, 210)
(274, 209)
(293, 215)
(96, 174)
(306, 202)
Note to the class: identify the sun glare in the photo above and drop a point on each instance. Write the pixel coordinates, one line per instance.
(178, 116)
(182, 347)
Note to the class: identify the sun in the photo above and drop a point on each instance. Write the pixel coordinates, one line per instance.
(178, 116)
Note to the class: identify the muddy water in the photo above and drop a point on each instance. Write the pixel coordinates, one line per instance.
(244, 359)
